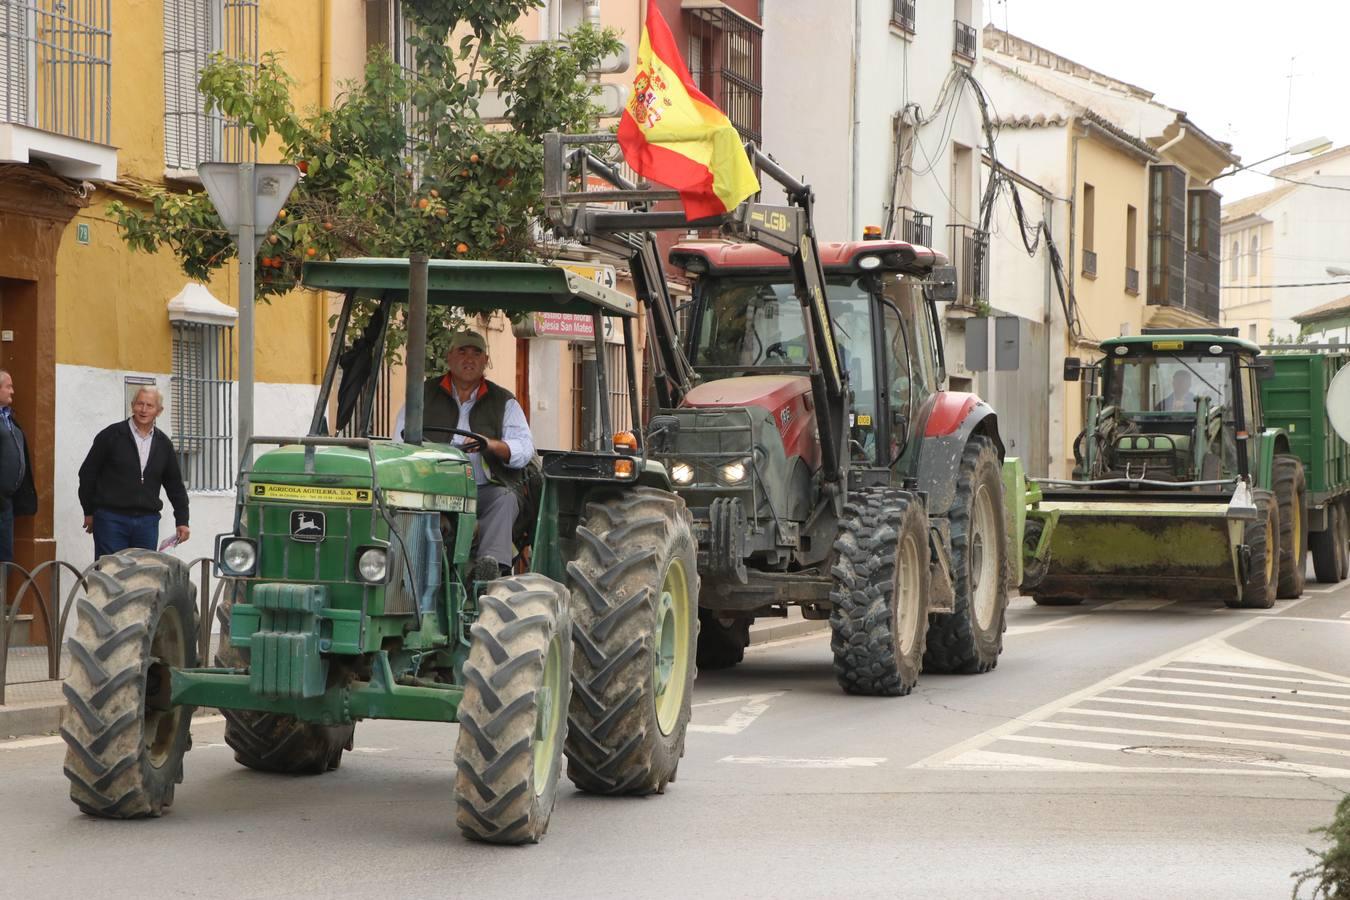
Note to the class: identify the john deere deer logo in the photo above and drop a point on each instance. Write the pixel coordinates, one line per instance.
(307, 525)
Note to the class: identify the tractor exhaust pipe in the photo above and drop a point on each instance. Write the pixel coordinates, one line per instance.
(417, 347)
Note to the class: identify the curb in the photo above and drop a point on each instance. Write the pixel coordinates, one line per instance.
(766, 630)
(26, 719)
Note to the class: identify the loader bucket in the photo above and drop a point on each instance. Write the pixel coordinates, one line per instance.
(1112, 549)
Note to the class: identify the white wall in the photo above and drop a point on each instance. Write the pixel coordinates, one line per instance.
(89, 399)
(1311, 231)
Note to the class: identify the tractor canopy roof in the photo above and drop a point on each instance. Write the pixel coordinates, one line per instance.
(838, 257)
(473, 285)
(1178, 341)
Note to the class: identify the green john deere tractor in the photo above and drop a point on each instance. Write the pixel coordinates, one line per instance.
(352, 594)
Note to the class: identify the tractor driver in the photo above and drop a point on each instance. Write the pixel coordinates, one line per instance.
(1181, 399)
(463, 399)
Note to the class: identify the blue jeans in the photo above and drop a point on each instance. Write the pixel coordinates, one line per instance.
(114, 532)
(6, 531)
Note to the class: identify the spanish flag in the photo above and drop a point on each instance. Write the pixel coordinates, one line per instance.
(674, 135)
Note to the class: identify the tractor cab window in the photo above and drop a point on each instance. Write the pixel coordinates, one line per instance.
(850, 311)
(1167, 384)
(911, 362)
(748, 322)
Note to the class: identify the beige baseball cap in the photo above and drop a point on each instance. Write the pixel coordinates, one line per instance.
(468, 339)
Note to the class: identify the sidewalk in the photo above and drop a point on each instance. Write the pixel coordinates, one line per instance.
(33, 705)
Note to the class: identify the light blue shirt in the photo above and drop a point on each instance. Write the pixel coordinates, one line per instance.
(515, 432)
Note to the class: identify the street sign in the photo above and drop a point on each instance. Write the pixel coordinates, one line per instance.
(274, 184)
(572, 326)
(1338, 403)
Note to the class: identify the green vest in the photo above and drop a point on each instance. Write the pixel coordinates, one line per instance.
(441, 409)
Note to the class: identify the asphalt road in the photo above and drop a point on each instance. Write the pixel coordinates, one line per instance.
(1124, 750)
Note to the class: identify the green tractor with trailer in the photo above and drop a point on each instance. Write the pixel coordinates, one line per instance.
(352, 594)
(1178, 490)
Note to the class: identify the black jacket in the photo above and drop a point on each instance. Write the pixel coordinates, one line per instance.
(24, 497)
(110, 478)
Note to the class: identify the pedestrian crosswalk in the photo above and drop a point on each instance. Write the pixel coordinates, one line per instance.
(1210, 708)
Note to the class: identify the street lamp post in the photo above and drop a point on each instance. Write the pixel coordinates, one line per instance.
(1313, 146)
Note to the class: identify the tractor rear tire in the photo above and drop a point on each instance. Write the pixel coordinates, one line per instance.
(271, 742)
(1329, 550)
(125, 740)
(634, 588)
(1291, 492)
(970, 639)
(513, 717)
(1263, 538)
(721, 641)
(880, 593)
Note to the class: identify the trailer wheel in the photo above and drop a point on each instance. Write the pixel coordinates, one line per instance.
(880, 593)
(721, 641)
(1291, 492)
(513, 718)
(1262, 537)
(125, 740)
(270, 742)
(634, 585)
(1328, 547)
(970, 639)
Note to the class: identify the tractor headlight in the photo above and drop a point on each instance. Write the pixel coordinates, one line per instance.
(373, 565)
(238, 556)
(733, 472)
(682, 473)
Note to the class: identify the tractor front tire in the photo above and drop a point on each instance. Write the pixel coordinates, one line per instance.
(1330, 553)
(271, 742)
(880, 593)
(125, 740)
(970, 638)
(721, 641)
(634, 585)
(513, 717)
(1291, 493)
(1262, 537)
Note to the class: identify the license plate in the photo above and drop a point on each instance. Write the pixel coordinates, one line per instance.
(308, 493)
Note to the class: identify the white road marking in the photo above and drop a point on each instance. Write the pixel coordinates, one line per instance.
(1236, 687)
(1345, 615)
(1283, 767)
(52, 739)
(1345, 721)
(1197, 738)
(1265, 701)
(788, 762)
(753, 706)
(979, 741)
(1015, 630)
(1255, 677)
(1204, 723)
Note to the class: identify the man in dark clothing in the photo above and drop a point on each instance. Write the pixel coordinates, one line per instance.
(121, 478)
(17, 495)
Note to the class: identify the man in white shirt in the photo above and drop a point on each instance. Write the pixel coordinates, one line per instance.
(462, 399)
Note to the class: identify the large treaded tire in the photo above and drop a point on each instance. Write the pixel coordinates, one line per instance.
(512, 718)
(880, 593)
(125, 742)
(628, 546)
(1262, 536)
(1330, 554)
(270, 742)
(721, 642)
(970, 639)
(1291, 492)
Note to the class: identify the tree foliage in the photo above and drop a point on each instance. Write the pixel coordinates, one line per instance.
(402, 161)
(1329, 877)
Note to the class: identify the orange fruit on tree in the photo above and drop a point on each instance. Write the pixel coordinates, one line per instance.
(461, 247)
(473, 157)
(312, 251)
(423, 203)
(283, 214)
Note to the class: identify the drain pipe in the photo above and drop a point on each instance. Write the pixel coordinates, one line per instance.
(591, 13)
(855, 229)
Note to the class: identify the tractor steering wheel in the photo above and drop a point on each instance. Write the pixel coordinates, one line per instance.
(473, 443)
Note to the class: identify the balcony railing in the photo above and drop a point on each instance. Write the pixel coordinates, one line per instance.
(1131, 281)
(965, 41)
(726, 62)
(902, 15)
(1090, 263)
(969, 249)
(55, 66)
(916, 227)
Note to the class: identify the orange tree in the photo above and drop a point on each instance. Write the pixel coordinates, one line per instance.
(401, 161)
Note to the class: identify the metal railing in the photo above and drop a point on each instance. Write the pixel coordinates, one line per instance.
(203, 404)
(916, 227)
(41, 590)
(902, 15)
(1090, 263)
(1132, 281)
(56, 66)
(726, 62)
(193, 30)
(969, 248)
(964, 44)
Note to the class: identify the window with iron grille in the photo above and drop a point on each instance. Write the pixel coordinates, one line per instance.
(902, 15)
(203, 408)
(388, 26)
(616, 376)
(193, 30)
(726, 63)
(55, 66)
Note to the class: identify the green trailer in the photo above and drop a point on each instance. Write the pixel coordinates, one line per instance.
(1294, 401)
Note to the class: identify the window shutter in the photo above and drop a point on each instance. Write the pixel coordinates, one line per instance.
(1176, 228)
(15, 77)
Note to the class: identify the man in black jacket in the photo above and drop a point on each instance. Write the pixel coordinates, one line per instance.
(121, 478)
(17, 496)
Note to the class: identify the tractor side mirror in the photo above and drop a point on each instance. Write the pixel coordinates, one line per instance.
(1265, 369)
(942, 284)
(1073, 368)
